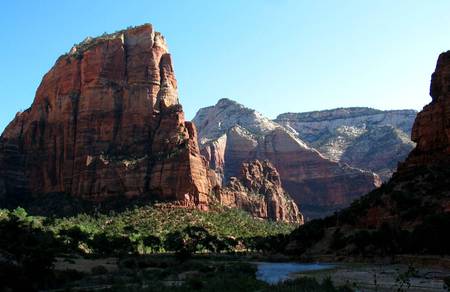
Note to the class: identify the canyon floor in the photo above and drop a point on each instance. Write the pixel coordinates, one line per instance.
(161, 272)
(381, 277)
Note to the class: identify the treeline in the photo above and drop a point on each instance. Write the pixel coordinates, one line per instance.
(431, 237)
(418, 224)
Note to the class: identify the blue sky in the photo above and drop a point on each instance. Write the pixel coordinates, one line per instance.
(271, 55)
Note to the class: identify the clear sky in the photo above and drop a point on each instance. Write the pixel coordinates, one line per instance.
(271, 55)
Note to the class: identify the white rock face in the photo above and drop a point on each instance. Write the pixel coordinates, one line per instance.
(362, 137)
(212, 122)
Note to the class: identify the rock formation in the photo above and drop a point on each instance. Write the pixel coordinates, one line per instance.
(431, 130)
(106, 121)
(411, 212)
(365, 138)
(258, 190)
(230, 134)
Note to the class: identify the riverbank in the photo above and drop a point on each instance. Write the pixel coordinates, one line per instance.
(163, 273)
(254, 271)
(365, 277)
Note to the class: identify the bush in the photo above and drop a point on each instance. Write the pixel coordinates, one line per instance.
(447, 283)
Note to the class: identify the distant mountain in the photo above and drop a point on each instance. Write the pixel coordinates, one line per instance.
(230, 134)
(366, 138)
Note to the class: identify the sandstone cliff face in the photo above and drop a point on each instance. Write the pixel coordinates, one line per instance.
(106, 121)
(258, 191)
(431, 130)
(361, 137)
(230, 134)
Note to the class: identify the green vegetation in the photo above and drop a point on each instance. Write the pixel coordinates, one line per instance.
(416, 220)
(200, 251)
(155, 229)
(447, 283)
(164, 274)
(162, 219)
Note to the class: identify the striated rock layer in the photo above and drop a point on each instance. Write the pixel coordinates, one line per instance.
(258, 191)
(231, 134)
(106, 121)
(365, 138)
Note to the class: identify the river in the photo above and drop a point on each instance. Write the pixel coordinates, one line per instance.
(273, 273)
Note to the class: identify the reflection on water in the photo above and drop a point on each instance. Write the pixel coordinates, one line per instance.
(273, 273)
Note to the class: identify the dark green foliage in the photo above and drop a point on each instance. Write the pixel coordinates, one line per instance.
(99, 270)
(28, 253)
(152, 242)
(105, 245)
(412, 206)
(308, 234)
(447, 283)
(73, 237)
(309, 285)
(338, 240)
(191, 240)
(430, 237)
(159, 229)
(433, 235)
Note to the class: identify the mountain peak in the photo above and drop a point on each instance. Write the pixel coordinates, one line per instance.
(95, 109)
(214, 121)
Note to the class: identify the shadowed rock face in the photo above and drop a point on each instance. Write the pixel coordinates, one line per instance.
(431, 130)
(230, 134)
(258, 190)
(106, 121)
(365, 138)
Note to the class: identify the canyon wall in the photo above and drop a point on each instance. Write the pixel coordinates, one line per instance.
(365, 138)
(230, 134)
(106, 121)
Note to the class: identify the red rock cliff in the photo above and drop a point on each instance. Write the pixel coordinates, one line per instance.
(106, 121)
(431, 130)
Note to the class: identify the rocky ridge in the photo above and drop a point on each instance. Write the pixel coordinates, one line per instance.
(365, 138)
(230, 134)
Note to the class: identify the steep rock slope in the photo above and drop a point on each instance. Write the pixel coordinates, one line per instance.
(411, 212)
(106, 122)
(230, 134)
(258, 190)
(361, 137)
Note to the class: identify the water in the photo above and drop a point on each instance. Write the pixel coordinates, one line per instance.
(273, 273)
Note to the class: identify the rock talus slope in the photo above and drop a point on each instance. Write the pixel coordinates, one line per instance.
(106, 121)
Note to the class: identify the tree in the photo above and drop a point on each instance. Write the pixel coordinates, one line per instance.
(152, 242)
